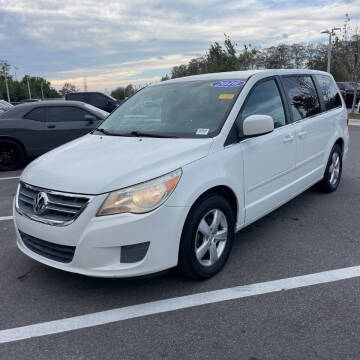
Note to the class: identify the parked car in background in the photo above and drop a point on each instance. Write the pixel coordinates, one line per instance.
(347, 91)
(5, 106)
(171, 174)
(31, 129)
(98, 99)
(29, 100)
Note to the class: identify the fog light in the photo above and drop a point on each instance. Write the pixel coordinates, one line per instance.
(133, 253)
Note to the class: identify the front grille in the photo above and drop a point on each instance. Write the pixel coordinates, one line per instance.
(47, 249)
(60, 208)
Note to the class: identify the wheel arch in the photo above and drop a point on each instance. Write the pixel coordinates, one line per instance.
(340, 142)
(8, 137)
(222, 190)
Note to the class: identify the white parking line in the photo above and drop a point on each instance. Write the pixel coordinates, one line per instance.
(183, 302)
(9, 178)
(2, 218)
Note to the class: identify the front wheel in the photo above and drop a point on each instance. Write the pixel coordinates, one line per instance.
(12, 155)
(207, 238)
(332, 176)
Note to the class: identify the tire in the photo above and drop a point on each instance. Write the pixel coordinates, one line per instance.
(12, 155)
(332, 176)
(205, 247)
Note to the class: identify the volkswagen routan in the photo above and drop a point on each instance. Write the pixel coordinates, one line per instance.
(169, 177)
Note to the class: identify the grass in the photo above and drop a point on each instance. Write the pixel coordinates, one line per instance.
(355, 116)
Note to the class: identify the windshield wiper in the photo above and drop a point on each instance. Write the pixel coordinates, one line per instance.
(145, 134)
(134, 133)
(102, 131)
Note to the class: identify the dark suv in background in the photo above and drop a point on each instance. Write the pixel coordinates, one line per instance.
(98, 99)
(347, 91)
(31, 129)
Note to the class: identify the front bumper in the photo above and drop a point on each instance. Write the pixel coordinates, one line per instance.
(98, 240)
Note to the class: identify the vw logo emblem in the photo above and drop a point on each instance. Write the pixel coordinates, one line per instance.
(40, 202)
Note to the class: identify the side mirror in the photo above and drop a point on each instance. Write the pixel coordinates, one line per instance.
(90, 118)
(258, 125)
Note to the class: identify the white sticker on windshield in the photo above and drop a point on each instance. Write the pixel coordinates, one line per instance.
(202, 131)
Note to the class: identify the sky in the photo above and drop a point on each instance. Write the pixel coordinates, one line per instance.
(116, 42)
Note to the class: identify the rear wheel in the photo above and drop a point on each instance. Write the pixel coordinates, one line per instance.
(207, 238)
(12, 155)
(332, 176)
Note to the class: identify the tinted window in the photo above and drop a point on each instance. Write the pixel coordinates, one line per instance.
(65, 113)
(97, 99)
(76, 97)
(36, 114)
(265, 99)
(302, 96)
(329, 92)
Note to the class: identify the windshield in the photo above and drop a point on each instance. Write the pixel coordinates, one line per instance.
(182, 109)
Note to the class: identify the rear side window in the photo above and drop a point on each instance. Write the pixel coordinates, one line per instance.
(329, 92)
(76, 97)
(302, 96)
(265, 99)
(65, 113)
(37, 114)
(97, 99)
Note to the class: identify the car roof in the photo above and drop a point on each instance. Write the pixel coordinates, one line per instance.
(21, 109)
(243, 75)
(50, 103)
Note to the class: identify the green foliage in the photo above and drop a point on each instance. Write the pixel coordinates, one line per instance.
(226, 57)
(18, 90)
(120, 93)
(68, 88)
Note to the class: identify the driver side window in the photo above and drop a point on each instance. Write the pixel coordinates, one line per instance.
(265, 99)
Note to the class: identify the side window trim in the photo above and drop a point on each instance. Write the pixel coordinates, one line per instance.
(30, 111)
(319, 94)
(288, 99)
(283, 97)
(283, 100)
(323, 109)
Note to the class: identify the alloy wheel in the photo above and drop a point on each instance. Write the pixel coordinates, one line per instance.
(211, 237)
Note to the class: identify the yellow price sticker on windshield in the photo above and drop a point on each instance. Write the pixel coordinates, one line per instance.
(226, 96)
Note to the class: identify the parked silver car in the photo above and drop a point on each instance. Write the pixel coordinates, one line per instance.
(5, 106)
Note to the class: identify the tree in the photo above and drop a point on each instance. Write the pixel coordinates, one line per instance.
(18, 90)
(351, 55)
(164, 78)
(248, 58)
(179, 71)
(120, 93)
(68, 88)
(4, 70)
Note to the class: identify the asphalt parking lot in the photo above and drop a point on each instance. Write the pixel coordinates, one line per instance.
(313, 233)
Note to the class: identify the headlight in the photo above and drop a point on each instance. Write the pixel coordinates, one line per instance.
(141, 198)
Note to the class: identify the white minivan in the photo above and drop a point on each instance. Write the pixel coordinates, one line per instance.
(170, 176)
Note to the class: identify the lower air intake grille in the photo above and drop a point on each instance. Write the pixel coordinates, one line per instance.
(47, 249)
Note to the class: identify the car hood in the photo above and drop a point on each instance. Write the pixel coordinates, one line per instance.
(97, 164)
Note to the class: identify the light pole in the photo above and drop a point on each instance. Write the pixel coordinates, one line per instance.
(6, 85)
(331, 33)
(28, 85)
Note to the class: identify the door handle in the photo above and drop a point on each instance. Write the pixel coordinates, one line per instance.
(288, 138)
(51, 126)
(302, 133)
